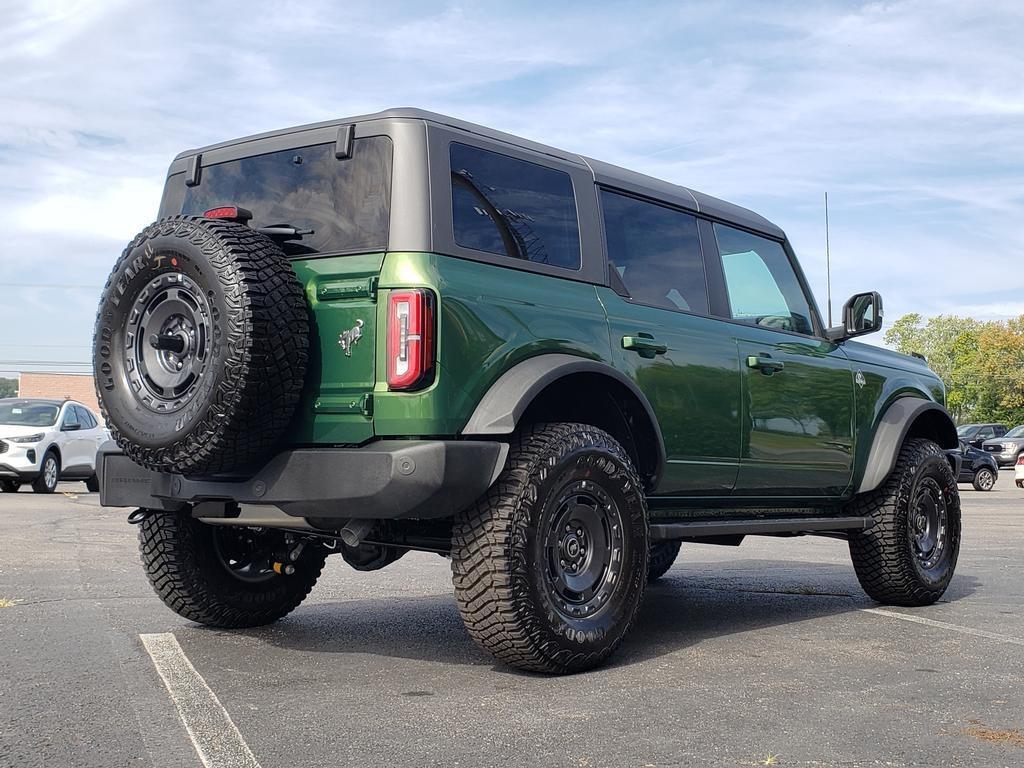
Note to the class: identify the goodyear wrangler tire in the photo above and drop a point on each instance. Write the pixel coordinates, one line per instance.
(909, 555)
(663, 555)
(550, 565)
(200, 347)
(223, 576)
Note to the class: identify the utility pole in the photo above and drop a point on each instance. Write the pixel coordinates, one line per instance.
(828, 267)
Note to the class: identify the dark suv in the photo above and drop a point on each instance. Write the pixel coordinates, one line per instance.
(405, 332)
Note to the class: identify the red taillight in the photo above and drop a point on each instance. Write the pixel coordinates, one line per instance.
(232, 212)
(410, 339)
(1020, 459)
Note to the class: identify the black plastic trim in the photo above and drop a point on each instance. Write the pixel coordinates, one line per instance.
(700, 528)
(386, 479)
(892, 431)
(501, 407)
(343, 144)
(193, 173)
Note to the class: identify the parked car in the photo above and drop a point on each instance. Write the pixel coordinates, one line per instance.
(403, 331)
(976, 434)
(1007, 448)
(976, 467)
(44, 441)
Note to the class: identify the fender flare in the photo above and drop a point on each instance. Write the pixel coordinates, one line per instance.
(890, 433)
(504, 403)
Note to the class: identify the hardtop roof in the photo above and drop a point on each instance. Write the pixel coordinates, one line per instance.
(603, 173)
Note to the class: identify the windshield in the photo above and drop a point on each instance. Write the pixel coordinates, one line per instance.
(967, 430)
(1016, 432)
(24, 413)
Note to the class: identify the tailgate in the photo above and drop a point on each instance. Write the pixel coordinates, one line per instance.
(337, 405)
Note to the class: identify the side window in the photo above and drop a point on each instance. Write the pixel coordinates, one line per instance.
(70, 418)
(85, 418)
(986, 433)
(762, 285)
(656, 252)
(513, 208)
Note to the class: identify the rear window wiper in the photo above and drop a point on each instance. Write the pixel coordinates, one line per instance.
(283, 232)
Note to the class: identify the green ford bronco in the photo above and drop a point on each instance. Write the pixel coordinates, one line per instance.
(406, 332)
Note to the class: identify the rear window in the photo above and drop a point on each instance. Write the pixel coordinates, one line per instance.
(345, 202)
(513, 208)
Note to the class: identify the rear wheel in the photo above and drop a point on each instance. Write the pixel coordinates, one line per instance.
(226, 576)
(550, 565)
(92, 484)
(908, 556)
(984, 479)
(9, 486)
(49, 474)
(663, 555)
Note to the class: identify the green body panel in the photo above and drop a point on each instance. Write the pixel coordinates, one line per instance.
(887, 376)
(336, 406)
(694, 388)
(734, 434)
(490, 319)
(798, 430)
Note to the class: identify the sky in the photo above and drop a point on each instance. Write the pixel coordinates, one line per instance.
(909, 114)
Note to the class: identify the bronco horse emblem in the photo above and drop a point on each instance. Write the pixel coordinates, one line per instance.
(348, 339)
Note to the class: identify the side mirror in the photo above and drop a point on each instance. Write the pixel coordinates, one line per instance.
(861, 314)
(70, 427)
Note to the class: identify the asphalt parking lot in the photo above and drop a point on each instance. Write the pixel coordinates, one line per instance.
(757, 655)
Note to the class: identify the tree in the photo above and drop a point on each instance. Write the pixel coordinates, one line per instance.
(8, 387)
(949, 343)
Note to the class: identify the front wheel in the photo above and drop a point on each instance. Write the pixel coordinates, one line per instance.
(49, 474)
(226, 576)
(908, 556)
(550, 565)
(984, 479)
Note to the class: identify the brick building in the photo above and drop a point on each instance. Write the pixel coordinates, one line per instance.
(61, 386)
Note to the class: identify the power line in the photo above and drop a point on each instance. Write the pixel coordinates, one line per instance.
(61, 286)
(43, 362)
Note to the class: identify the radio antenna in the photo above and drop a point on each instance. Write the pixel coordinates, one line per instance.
(828, 267)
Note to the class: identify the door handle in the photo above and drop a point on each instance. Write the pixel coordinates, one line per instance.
(765, 364)
(644, 345)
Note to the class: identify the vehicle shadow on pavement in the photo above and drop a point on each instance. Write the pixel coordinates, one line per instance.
(686, 607)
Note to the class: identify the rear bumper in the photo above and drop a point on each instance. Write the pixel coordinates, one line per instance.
(384, 480)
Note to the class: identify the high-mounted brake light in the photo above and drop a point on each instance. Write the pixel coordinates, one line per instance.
(230, 212)
(410, 341)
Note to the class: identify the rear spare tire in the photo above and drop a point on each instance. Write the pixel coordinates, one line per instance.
(200, 347)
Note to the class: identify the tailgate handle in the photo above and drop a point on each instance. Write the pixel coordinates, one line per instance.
(337, 290)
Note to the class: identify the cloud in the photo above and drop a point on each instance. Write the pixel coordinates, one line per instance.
(908, 113)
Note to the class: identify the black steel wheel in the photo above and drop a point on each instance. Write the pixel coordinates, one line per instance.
(984, 479)
(224, 576)
(550, 565)
(49, 474)
(909, 555)
(663, 555)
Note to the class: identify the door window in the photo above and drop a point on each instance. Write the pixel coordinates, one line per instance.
(70, 419)
(656, 252)
(85, 418)
(985, 433)
(762, 284)
(513, 208)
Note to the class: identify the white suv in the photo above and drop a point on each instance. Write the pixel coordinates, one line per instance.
(43, 441)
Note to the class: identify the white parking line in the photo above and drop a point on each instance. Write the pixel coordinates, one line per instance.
(944, 625)
(214, 735)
